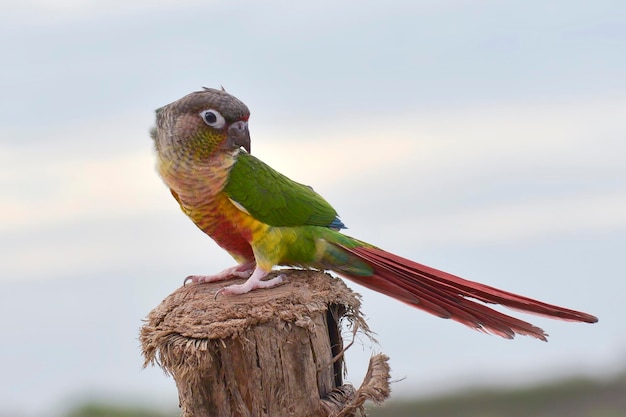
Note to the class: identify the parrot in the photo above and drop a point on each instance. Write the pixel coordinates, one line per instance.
(263, 219)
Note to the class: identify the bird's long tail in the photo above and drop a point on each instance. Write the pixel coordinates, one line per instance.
(448, 296)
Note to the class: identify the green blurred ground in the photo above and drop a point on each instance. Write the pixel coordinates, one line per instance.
(567, 398)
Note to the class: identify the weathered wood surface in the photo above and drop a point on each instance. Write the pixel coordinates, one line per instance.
(274, 352)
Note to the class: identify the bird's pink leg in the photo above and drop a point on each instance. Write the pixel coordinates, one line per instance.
(238, 271)
(252, 283)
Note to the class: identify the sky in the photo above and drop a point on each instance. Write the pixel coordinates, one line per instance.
(484, 138)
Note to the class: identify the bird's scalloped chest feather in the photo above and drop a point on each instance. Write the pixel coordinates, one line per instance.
(199, 189)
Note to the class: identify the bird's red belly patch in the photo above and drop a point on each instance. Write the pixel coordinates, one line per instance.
(231, 239)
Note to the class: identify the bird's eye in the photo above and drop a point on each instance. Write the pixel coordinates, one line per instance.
(213, 118)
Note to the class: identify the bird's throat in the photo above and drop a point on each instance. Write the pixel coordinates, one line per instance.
(196, 181)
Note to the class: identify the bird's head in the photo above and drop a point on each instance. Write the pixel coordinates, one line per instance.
(201, 124)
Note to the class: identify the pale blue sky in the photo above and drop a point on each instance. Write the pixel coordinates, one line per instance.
(485, 138)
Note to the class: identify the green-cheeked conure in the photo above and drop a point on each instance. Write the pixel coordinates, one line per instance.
(264, 219)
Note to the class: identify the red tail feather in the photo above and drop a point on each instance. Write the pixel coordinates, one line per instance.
(446, 295)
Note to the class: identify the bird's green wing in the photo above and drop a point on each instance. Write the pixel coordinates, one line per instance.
(274, 199)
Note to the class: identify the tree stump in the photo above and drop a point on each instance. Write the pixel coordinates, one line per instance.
(273, 352)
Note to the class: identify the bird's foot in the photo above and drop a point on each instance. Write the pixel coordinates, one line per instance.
(238, 271)
(252, 283)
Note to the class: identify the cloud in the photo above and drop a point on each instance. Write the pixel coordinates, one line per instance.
(490, 173)
(459, 176)
(44, 190)
(73, 9)
(457, 144)
(507, 222)
(579, 144)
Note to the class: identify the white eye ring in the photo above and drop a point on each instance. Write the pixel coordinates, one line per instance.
(213, 118)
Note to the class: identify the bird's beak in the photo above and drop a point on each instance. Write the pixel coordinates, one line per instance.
(239, 135)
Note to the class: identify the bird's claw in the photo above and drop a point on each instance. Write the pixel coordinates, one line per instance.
(249, 285)
(238, 271)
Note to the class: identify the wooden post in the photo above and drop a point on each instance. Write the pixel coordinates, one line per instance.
(274, 352)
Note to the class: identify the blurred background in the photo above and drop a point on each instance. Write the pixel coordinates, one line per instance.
(484, 138)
